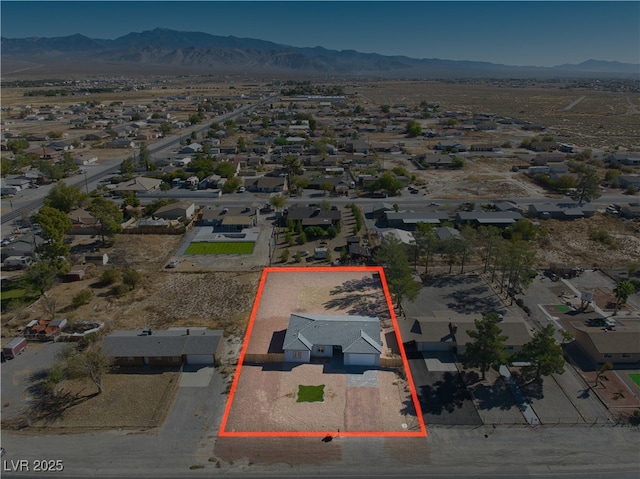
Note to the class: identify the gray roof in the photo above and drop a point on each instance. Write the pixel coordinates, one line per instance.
(168, 343)
(355, 334)
(491, 217)
(413, 217)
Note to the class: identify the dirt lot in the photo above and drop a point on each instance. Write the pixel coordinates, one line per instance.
(383, 405)
(601, 120)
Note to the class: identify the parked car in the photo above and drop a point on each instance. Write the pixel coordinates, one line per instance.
(173, 264)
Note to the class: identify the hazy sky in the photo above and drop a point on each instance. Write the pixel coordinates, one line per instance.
(515, 33)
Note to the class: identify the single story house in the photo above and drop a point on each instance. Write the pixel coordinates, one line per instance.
(267, 184)
(139, 184)
(617, 344)
(447, 331)
(313, 216)
(356, 337)
(83, 222)
(486, 218)
(629, 180)
(176, 211)
(561, 211)
(409, 219)
(239, 217)
(171, 347)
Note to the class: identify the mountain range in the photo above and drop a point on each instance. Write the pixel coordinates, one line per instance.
(191, 52)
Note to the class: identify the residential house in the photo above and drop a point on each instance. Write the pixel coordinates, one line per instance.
(357, 338)
(451, 146)
(83, 222)
(445, 233)
(629, 180)
(313, 216)
(561, 211)
(628, 158)
(182, 210)
(171, 347)
(121, 143)
(266, 184)
(231, 218)
(488, 218)
(191, 149)
(436, 161)
(409, 219)
(447, 331)
(617, 342)
(139, 184)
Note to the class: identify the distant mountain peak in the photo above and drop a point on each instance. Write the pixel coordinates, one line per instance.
(163, 46)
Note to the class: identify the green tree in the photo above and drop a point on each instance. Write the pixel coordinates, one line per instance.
(588, 187)
(396, 267)
(326, 186)
(67, 164)
(165, 128)
(277, 201)
(54, 224)
(109, 216)
(284, 256)
(413, 129)
(488, 348)
(425, 243)
(144, 157)
(225, 169)
(17, 145)
(623, 290)
(41, 276)
(231, 185)
(293, 167)
(385, 108)
(544, 355)
(128, 167)
(388, 183)
(131, 278)
(65, 197)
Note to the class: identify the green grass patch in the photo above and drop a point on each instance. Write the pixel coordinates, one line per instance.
(16, 293)
(635, 377)
(231, 247)
(310, 393)
(561, 308)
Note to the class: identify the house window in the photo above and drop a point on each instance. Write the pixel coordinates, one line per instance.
(320, 349)
(297, 355)
(607, 356)
(625, 355)
(129, 359)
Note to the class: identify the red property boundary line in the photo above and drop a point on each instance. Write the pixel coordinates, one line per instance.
(322, 269)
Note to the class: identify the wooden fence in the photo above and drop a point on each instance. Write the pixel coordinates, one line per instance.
(264, 358)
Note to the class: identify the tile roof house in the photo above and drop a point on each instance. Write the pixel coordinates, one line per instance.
(83, 222)
(311, 335)
(171, 347)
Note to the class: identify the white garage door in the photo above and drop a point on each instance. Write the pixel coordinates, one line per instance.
(360, 359)
(200, 359)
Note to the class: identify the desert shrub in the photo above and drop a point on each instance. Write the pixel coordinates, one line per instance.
(297, 257)
(120, 290)
(83, 297)
(603, 237)
(284, 256)
(131, 278)
(109, 276)
(332, 231)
